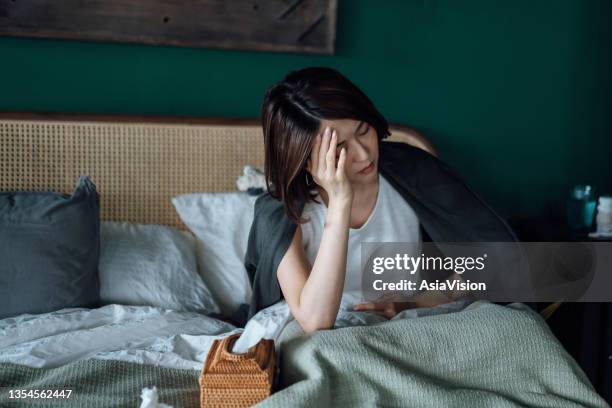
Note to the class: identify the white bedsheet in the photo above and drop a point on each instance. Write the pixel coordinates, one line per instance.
(141, 334)
(151, 335)
(268, 323)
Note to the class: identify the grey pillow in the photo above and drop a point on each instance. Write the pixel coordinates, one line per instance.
(49, 250)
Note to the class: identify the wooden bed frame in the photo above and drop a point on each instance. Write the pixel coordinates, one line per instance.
(137, 162)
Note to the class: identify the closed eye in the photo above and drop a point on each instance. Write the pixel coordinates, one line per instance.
(365, 132)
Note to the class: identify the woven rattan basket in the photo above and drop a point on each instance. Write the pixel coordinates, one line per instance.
(237, 380)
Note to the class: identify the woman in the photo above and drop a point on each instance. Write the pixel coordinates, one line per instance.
(333, 184)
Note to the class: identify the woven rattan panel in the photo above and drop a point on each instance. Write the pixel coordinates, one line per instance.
(137, 167)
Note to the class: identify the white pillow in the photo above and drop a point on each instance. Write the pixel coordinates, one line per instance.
(221, 222)
(153, 265)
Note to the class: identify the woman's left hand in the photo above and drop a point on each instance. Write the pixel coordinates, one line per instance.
(386, 309)
(427, 298)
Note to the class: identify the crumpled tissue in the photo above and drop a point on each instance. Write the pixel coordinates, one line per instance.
(267, 324)
(252, 181)
(150, 399)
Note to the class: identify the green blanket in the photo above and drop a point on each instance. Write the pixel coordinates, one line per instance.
(99, 383)
(483, 356)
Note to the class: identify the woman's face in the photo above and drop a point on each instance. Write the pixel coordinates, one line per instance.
(361, 143)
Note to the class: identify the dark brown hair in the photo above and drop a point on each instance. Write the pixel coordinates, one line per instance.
(291, 117)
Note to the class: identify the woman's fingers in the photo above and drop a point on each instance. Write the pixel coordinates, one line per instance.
(341, 160)
(387, 310)
(324, 147)
(331, 153)
(390, 310)
(381, 309)
(369, 306)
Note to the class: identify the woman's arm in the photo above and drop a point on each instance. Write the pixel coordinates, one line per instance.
(314, 293)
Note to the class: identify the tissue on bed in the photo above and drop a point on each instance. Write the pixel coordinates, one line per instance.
(253, 178)
(266, 324)
(150, 399)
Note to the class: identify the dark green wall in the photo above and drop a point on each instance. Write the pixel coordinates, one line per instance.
(515, 94)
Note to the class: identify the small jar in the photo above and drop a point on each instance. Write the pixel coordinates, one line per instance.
(604, 215)
(581, 207)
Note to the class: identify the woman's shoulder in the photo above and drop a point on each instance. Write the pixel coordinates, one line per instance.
(415, 165)
(270, 225)
(405, 154)
(269, 217)
(267, 205)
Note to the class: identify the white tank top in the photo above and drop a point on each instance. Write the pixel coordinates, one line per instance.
(391, 220)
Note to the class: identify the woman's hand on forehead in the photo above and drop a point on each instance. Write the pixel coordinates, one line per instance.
(326, 171)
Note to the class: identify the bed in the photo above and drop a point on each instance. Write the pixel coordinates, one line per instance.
(460, 354)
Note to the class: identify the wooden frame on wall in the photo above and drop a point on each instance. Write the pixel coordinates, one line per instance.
(307, 26)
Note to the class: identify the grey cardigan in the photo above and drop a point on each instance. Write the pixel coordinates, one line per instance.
(447, 209)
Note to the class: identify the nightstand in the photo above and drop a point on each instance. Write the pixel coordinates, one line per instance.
(584, 329)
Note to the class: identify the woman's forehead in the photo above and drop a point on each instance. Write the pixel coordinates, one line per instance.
(344, 127)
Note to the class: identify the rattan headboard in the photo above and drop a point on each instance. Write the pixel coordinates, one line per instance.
(137, 163)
